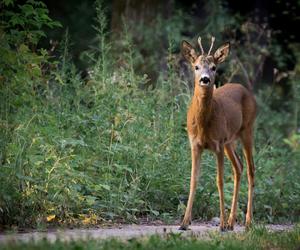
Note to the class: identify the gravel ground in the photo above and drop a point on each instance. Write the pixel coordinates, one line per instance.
(120, 232)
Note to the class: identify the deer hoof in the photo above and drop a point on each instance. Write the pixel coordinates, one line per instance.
(229, 227)
(223, 229)
(248, 227)
(183, 227)
(248, 224)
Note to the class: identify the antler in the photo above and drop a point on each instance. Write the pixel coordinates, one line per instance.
(212, 44)
(200, 45)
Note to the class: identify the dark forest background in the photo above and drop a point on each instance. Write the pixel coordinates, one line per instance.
(78, 16)
(93, 105)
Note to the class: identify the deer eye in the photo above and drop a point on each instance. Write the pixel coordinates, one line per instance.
(196, 67)
(213, 68)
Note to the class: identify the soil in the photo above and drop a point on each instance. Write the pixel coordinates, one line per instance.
(121, 232)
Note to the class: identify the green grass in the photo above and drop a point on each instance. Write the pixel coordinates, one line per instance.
(257, 238)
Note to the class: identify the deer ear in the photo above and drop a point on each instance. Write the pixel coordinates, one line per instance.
(188, 52)
(221, 53)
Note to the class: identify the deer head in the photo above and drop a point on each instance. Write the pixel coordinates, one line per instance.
(204, 65)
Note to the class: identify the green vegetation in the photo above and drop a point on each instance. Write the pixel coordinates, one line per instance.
(114, 146)
(258, 238)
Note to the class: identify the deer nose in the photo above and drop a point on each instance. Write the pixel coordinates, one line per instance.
(205, 80)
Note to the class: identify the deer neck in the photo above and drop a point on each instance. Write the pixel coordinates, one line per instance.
(202, 106)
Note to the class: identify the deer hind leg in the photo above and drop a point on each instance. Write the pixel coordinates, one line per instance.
(237, 168)
(247, 141)
(220, 183)
(196, 152)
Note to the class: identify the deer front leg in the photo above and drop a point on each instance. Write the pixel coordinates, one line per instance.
(196, 152)
(220, 180)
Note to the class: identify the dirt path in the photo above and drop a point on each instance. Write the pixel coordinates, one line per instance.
(122, 232)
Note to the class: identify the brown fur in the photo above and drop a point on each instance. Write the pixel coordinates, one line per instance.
(216, 119)
(219, 116)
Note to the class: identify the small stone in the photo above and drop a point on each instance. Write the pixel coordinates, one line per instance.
(215, 221)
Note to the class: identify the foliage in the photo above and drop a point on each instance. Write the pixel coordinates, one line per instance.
(108, 148)
(21, 65)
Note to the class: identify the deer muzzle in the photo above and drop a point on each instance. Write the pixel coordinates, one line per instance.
(204, 80)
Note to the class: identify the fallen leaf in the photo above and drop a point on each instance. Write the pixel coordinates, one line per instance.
(50, 217)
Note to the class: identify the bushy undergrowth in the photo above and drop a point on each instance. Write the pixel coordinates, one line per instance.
(106, 148)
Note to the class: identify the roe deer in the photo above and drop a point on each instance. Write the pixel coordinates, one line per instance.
(216, 119)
